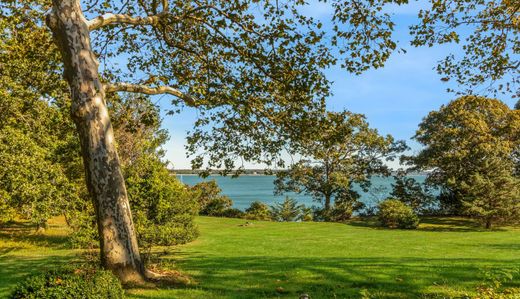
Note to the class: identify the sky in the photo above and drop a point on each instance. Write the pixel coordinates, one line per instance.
(394, 99)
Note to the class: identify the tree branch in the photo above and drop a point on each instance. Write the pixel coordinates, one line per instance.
(110, 18)
(144, 89)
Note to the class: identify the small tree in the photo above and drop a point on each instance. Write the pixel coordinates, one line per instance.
(258, 211)
(410, 192)
(492, 194)
(288, 210)
(338, 150)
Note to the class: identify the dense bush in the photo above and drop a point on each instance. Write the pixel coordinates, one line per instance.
(212, 202)
(258, 211)
(395, 214)
(163, 208)
(70, 284)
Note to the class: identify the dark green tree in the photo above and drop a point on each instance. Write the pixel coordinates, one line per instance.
(492, 194)
(410, 192)
(461, 139)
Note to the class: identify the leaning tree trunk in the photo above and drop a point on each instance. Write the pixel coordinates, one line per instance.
(118, 242)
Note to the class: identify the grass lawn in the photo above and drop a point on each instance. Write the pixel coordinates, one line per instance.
(444, 257)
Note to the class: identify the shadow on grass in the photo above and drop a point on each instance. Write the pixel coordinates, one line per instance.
(437, 224)
(24, 232)
(268, 277)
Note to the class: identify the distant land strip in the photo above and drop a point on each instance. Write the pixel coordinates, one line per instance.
(254, 172)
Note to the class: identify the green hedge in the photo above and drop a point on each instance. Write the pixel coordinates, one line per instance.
(70, 284)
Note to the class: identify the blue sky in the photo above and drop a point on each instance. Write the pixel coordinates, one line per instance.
(394, 99)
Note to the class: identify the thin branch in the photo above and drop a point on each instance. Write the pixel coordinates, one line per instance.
(144, 89)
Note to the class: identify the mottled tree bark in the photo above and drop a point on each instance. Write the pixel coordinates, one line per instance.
(105, 182)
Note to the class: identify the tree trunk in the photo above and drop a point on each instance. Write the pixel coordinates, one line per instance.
(105, 182)
(327, 203)
(488, 223)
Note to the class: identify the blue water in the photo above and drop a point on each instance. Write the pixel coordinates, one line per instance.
(246, 189)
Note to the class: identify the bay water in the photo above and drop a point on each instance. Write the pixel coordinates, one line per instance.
(248, 188)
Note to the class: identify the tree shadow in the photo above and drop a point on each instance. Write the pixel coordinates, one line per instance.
(331, 277)
(437, 224)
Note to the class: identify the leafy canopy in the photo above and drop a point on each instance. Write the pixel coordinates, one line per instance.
(462, 137)
(338, 150)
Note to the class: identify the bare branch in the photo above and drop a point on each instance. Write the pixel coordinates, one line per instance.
(144, 89)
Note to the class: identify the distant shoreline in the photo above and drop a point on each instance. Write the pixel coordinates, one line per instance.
(250, 172)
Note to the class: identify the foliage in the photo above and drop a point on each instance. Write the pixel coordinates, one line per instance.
(258, 211)
(343, 210)
(395, 214)
(339, 150)
(70, 284)
(36, 186)
(38, 150)
(163, 208)
(493, 194)
(7, 212)
(410, 192)
(488, 31)
(288, 210)
(461, 136)
(492, 287)
(211, 201)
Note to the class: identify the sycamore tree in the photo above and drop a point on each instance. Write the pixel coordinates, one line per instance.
(460, 140)
(338, 151)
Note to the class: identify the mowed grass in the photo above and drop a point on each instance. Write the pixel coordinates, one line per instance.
(444, 258)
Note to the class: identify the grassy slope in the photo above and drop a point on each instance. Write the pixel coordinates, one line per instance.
(325, 260)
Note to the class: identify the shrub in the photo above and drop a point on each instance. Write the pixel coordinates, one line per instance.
(288, 210)
(258, 211)
(492, 287)
(163, 208)
(395, 214)
(70, 284)
(210, 199)
(343, 210)
(217, 207)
